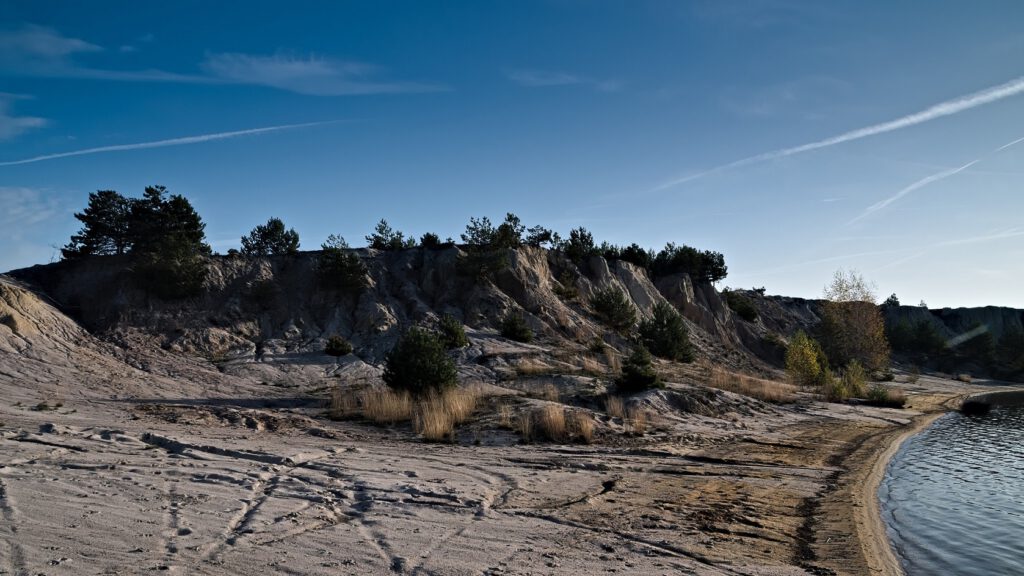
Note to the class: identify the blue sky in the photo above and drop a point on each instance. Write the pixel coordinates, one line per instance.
(794, 137)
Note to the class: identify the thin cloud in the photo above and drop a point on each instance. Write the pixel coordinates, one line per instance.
(545, 79)
(12, 126)
(162, 143)
(940, 110)
(21, 207)
(39, 51)
(1001, 235)
(310, 75)
(926, 181)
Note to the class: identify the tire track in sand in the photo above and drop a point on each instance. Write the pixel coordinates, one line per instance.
(9, 513)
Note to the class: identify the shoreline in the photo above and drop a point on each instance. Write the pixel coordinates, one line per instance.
(872, 532)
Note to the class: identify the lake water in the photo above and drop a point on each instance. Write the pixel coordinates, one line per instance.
(953, 496)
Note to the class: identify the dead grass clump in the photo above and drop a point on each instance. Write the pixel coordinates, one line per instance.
(550, 393)
(636, 421)
(385, 406)
(760, 388)
(532, 367)
(505, 415)
(615, 407)
(613, 361)
(525, 426)
(437, 415)
(592, 366)
(966, 378)
(551, 423)
(581, 426)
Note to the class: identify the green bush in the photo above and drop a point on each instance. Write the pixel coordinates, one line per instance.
(270, 238)
(513, 326)
(419, 364)
(886, 397)
(855, 379)
(579, 246)
(172, 272)
(665, 334)
(453, 335)
(566, 287)
(638, 373)
(337, 346)
(339, 268)
(386, 238)
(741, 305)
(806, 362)
(614, 309)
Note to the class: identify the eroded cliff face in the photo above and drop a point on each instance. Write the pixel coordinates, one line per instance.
(273, 310)
(953, 322)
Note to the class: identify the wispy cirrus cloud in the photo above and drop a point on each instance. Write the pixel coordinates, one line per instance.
(20, 207)
(930, 179)
(940, 110)
(39, 51)
(312, 75)
(544, 79)
(168, 142)
(12, 126)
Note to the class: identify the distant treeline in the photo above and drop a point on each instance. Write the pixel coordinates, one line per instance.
(168, 237)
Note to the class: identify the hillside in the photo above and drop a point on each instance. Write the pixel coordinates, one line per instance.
(194, 434)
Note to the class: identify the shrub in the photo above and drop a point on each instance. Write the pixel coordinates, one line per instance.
(339, 268)
(171, 272)
(740, 304)
(452, 333)
(702, 266)
(834, 389)
(430, 241)
(385, 238)
(579, 246)
(270, 238)
(614, 309)
(886, 397)
(337, 346)
(566, 287)
(665, 334)
(513, 326)
(806, 363)
(854, 379)
(852, 327)
(638, 373)
(419, 364)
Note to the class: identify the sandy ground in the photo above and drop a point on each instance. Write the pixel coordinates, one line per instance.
(213, 486)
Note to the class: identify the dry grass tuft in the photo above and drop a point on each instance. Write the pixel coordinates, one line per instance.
(525, 426)
(581, 425)
(966, 378)
(636, 421)
(505, 415)
(437, 415)
(615, 407)
(613, 360)
(343, 404)
(551, 423)
(386, 406)
(550, 393)
(592, 366)
(764, 390)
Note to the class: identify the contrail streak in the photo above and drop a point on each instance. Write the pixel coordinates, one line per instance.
(916, 185)
(161, 143)
(926, 181)
(947, 108)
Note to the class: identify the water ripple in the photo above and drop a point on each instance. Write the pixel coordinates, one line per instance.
(953, 496)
